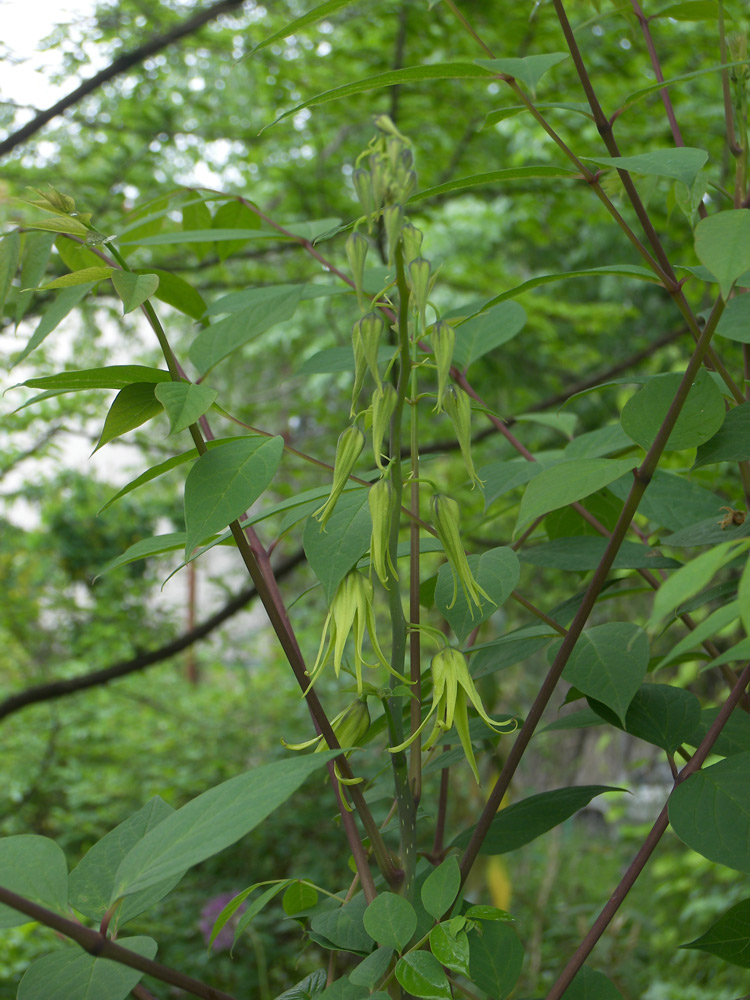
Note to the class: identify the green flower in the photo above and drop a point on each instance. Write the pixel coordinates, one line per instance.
(351, 612)
(451, 687)
(446, 517)
(348, 449)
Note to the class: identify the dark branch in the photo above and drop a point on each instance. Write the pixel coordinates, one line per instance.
(121, 65)
(101, 947)
(59, 689)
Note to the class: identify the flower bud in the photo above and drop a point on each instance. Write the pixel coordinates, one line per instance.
(350, 726)
(350, 444)
(419, 281)
(363, 187)
(57, 200)
(356, 253)
(393, 216)
(443, 338)
(412, 240)
(379, 181)
(370, 329)
(381, 500)
(384, 401)
(384, 123)
(360, 367)
(457, 405)
(446, 518)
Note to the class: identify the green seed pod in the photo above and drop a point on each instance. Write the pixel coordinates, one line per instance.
(443, 338)
(412, 240)
(384, 401)
(380, 499)
(447, 519)
(370, 331)
(356, 253)
(457, 405)
(419, 282)
(348, 449)
(393, 216)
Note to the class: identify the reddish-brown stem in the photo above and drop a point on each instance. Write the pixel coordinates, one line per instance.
(655, 834)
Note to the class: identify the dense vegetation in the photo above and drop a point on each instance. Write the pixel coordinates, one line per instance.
(411, 340)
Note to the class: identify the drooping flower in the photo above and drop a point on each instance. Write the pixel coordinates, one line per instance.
(446, 518)
(351, 612)
(452, 685)
(348, 449)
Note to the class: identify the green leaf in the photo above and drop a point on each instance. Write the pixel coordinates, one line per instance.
(608, 663)
(510, 649)
(584, 552)
(338, 359)
(564, 423)
(421, 975)
(589, 984)
(393, 78)
(91, 881)
(134, 289)
(722, 244)
(693, 577)
(344, 989)
(496, 959)
(700, 417)
(211, 822)
(451, 949)
(35, 255)
(70, 975)
(225, 482)
(503, 476)
(267, 308)
(391, 921)
(440, 888)
(371, 969)
(332, 552)
(496, 570)
(501, 114)
(729, 936)
(660, 714)
(731, 443)
(10, 251)
(710, 626)
(176, 292)
(252, 911)
(743, 597)
(298, 897)
(528, 70)
(33, 867)
(342, 928)
(196, 216)
(234, 215)
(708, 532)
(310, 17)
(734, 738)
(690, 10)
(492, 177)
(735, 320)
(710, 812)
(303, 230)
(596, 444)
(566, 483)
(309, 988)
(52, 317)
(671, 501)
(680, 163)
(184, 402)
(132, 406)
(483, 333)
(81, 277)
(59, 224)
(524, 821)
(114, 377)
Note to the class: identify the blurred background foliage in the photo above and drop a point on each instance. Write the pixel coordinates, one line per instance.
(192, 116)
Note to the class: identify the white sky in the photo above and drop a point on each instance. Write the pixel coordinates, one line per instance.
(23, 24)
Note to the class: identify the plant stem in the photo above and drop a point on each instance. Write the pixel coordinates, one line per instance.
(101, 947)
(641, 478)
(657, 830)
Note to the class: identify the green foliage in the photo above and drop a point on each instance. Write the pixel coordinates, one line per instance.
(409, 342)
